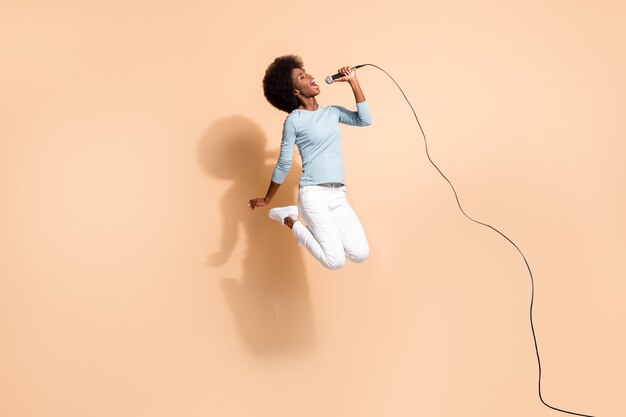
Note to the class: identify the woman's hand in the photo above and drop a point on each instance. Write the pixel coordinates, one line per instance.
(350, 77)
(257, 202)
(349, 73)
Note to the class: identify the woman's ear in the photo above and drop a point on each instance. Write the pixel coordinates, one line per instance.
(296, 92)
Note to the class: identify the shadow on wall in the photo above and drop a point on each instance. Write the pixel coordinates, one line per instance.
(270, 302)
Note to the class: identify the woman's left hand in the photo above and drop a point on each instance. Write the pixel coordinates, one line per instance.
(349, 73)
(257, 202)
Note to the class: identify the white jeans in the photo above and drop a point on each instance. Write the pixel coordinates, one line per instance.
(333, 231)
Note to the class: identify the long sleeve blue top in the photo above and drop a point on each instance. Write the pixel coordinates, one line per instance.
(316, 133)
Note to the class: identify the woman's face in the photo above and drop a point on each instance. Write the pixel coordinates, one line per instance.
(304, 83)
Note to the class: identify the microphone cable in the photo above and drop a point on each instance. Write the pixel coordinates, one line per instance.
(532, 280)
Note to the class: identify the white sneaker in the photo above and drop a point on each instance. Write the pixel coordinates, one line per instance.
(280, 213)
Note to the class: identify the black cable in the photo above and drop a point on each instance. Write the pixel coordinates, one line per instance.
(532, 280)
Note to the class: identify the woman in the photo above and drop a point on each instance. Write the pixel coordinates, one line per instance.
(331, 231)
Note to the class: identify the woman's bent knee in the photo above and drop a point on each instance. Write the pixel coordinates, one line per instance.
(359, 256)
(335, 262)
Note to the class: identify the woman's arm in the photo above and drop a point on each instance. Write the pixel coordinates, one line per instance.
(362, 116)
(283, 165)
(259, 202)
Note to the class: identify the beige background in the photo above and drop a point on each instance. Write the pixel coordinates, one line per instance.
(134, 281)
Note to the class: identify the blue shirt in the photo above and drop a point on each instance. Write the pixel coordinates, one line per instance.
(316, 133)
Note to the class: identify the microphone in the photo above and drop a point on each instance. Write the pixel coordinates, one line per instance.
(331, 78)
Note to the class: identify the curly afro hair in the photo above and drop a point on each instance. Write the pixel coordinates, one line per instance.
(277, 84)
